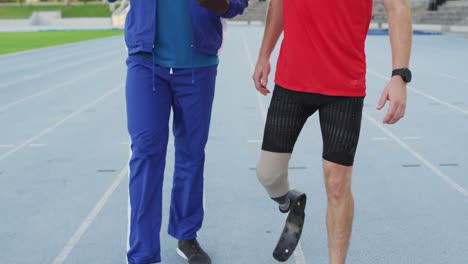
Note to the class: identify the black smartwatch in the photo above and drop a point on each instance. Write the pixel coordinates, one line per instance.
(405, 74)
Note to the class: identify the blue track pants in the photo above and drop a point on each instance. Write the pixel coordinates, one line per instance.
(152, 92)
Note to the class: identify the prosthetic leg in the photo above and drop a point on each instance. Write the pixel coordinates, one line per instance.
(293, 227)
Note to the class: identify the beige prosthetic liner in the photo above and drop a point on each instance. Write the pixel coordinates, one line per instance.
(272, 172)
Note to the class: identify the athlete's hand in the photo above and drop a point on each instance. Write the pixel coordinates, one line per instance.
(260, 76)
(219, 7)
(395, 92)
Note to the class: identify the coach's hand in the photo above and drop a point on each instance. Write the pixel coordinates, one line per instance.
(395, 92)
(219, 7)
(260, 76)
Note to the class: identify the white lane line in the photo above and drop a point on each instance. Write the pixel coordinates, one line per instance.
(379, 138)
(7, 146)
(298, 253)
(59, 86)
(58, 69)
(59, 123)
(129, 208)
(416, 91)
(262, 107)
(447, 179)
(37, 145)
(453, 77)
(73, 241)
(31, 76)
(448, 76)
(78, 45)
(411, 138)
(39, 62)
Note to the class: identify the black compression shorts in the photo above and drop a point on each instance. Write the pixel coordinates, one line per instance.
(340, 121)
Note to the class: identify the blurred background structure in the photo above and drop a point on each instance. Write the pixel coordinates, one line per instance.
(438, 15)
(64, 146)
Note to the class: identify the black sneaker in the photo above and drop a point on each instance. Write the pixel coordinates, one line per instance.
(191, 251)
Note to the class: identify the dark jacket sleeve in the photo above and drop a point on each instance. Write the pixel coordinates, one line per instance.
(236, 8)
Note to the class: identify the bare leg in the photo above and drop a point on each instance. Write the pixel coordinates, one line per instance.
(340, 210)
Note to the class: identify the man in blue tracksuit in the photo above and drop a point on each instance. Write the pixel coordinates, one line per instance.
(172, 64)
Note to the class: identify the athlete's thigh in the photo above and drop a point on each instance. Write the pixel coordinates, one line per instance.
(287, 115)
(340, 122)
(148, 101)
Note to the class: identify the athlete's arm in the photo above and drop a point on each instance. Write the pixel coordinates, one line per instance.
(273, 30)
(400, 30)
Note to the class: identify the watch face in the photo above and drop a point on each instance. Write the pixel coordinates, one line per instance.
(407, 75)
(404, 73)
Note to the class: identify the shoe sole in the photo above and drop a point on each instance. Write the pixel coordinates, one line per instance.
(181, 254)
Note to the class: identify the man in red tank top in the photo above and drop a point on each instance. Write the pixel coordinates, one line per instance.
(322, 68)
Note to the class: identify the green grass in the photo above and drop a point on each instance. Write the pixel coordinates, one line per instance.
(91, 10)
(21, 41)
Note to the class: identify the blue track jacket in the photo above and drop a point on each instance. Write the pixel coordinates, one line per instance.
(140, 26)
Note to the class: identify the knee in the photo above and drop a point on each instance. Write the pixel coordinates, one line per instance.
(336, 189)
(147, 143)
(272, 168)
(268, 177)
(265, 175)
(338, 182)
